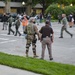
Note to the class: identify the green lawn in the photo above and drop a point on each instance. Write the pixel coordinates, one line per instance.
(36, 65)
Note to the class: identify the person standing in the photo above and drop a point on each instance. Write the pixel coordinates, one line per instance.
(71, 20)
(59, 19)
(49, 18)
(31, 30)
(41, 16)
(17, 25)
(47, 39)
(4, 18)
(10, 20)
(24, 22)
(64, 27)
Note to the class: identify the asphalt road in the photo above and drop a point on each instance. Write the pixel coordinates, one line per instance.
(63, 50)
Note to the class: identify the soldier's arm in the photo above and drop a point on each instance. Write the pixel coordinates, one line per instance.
(37, 32)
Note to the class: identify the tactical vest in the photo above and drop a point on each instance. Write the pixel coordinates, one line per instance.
(30, 29)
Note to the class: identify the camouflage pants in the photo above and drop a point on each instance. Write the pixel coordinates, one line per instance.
(29, 43)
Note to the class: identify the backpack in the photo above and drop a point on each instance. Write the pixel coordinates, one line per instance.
(30, 29)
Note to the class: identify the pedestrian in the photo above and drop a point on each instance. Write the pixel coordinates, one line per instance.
(46, 39)
(49, 18)
(10, 20)
(74, 18)
(31, 30)
(41, 17)
(59, 19)
(71, 20)
(17, 25)
(24, 22)
(5, 23)
(64, 27)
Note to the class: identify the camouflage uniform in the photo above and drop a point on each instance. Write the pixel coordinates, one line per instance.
(31, 39)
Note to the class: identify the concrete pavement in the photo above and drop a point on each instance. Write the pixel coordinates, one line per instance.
(5, 70)
(63, 50)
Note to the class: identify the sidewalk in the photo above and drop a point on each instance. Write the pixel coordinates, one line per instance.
(5, 70)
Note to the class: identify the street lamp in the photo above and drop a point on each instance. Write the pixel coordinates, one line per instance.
(23, 3)
(71, 4)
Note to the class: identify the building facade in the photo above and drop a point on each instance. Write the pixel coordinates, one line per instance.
(15, 6)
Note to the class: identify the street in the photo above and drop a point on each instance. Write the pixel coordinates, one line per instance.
(63, 50)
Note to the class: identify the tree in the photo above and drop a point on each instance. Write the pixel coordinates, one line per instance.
(7, 6)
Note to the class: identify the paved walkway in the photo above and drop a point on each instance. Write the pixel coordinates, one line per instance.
(63, 50)
(5, 70)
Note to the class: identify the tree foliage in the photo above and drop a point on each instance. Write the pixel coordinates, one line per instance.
(54, 10)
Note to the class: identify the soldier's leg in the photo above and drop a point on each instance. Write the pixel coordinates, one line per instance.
(34, 49)
(27, 47)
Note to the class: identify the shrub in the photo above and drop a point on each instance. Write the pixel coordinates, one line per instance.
(69, 9)
(54, 10)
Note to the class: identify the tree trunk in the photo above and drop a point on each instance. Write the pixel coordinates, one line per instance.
(29, 7)
(7, 6)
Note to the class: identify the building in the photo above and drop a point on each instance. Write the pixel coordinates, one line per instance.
(15, 6)
(38, 8)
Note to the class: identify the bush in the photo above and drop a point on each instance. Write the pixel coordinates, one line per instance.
(69, 10)
(54, 10)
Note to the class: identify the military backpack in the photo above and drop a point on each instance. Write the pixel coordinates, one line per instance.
(30, 29)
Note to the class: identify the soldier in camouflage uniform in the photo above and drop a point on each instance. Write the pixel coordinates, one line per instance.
(31, 36)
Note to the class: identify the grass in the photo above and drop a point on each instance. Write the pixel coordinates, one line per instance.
(36, 65)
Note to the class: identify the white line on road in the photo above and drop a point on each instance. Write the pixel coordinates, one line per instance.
(5, 35)
(3, 39)
(7, 41)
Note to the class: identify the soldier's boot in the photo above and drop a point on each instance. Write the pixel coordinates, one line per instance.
(26, 53)
(34, 52)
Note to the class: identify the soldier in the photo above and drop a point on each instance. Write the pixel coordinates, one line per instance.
(31, 30)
